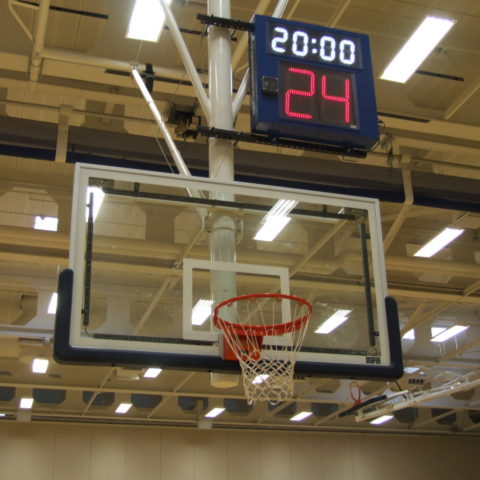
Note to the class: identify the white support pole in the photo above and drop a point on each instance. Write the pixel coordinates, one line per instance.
(221, 162)
(187, 60)
(39, 40)
(64, 114)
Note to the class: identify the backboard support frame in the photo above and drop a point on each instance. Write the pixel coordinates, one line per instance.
(71, 348)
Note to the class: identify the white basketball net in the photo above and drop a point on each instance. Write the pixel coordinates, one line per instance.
(267, 370)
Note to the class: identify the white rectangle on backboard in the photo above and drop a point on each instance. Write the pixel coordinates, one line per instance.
(189, 265)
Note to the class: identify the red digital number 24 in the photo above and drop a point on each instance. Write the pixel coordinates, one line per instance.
(311, 91)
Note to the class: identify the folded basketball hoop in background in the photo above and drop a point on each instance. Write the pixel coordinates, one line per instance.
(267, 368)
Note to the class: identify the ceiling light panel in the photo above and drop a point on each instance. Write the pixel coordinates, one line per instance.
(215, 412)
(339, 317)
(40, 365)
(417, 48)
(449, 333)
(147, 20)
(300, 416)
(152, 372)
(382, 419)
(440, 241)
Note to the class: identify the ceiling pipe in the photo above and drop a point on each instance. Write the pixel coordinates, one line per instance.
(39, 40)
(67, 56)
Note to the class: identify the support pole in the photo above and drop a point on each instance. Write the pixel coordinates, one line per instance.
(221, 167)
(220, 151)
(64, 114)
(39, 40)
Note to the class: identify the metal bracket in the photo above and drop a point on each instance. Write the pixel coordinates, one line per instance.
(278, 142)
(225, 22)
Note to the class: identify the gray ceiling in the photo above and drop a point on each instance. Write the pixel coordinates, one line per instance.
(76, 101)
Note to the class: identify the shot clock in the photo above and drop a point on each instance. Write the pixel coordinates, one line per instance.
(312, 83)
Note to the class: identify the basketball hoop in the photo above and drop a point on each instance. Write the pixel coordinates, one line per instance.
(267, 367)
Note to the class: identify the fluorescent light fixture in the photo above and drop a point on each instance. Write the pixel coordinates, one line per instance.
(201, 311)
(437, 331)
(447, 334)
(282, 208)
(26, 403)
(123, 408)
(52, 305)
(40, 365)
(333, 322)
(275, 220)
(152, 372)
(214, 412)
(382, 419)
(439, 242)
(147, 20)
(271, 228)
(300, 416)
(410, 335)
(417, 48)
(260, 378)
(97, 195)
(46, 223)
(3, 414)
(411, 369)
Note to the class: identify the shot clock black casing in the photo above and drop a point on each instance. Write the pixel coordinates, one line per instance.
(357, 128)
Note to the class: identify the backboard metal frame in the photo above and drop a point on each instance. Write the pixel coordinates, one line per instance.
(72, 346)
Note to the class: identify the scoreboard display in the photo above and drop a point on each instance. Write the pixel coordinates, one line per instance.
(312, 83)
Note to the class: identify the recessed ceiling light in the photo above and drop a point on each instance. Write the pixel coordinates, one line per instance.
(26, 403)
(152, 372)
(333, 321)
(417, 48)
(40, 365)
(410, 335)
(123, 408)
(214, 412)
(147, 20)
(275, 220)
(52, 305)
(437, 243)
(449, 333)
(201, 311)
(300, 416)
(46, 223)
(382, 419)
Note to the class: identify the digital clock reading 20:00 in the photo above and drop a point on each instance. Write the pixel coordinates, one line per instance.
(312, 83)
(308, 44)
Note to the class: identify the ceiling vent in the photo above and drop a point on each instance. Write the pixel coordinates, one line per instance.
(145, 401)
(407, 415)
(189, 404)
(104, 399)
(7, 394)
(51, 396)
(289, 410)
(237, 406)
(324, 409)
